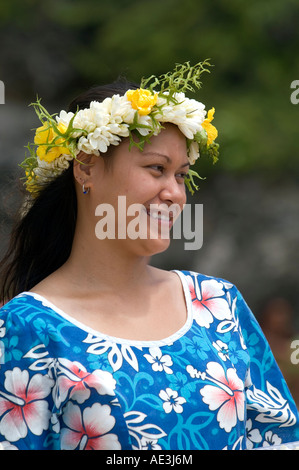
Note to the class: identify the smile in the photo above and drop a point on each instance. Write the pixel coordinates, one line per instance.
(160, 216)
(150, 221)
(167, 217)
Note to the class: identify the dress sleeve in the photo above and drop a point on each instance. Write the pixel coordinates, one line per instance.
(272, 416)
(25, 383)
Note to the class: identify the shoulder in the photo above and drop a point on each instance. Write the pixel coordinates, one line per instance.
(21, 311)
(201, 281)
(18, 303)
(28, 330)
(222, 299)
(205, 287)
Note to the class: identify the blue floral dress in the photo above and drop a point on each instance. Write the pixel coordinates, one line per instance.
(212, 385)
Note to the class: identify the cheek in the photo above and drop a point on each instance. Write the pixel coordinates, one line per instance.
(140, 187)
(183, 197)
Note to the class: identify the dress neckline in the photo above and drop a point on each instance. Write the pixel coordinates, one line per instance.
(125, 341)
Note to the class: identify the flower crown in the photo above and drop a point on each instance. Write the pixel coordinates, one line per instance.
(139, 114)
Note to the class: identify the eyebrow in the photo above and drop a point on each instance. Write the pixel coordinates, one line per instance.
(164, 156)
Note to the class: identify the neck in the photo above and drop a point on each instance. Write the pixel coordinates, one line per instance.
(95, 264)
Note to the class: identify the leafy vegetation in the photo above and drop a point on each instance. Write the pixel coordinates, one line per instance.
(60, 47)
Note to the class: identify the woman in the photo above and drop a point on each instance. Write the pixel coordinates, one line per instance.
(100, 350)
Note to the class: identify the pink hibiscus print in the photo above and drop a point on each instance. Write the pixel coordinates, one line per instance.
(73, 378)
(23, 406)
(89, 430)
(208, 301)
(226, 395)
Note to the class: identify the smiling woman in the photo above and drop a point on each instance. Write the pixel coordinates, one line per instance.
(100, 350)
(153, 191)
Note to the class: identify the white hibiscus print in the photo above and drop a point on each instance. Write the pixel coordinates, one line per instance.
(74, 379)
(271, 439)
(226, 395)
(208, 301)
(159, 361)
(172, 401)
(89, 430)
(23, 406)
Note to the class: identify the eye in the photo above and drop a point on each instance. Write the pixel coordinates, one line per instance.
(182, 175)
(157, 168)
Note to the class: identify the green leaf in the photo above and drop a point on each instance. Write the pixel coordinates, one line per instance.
(189, 181)
(183, 78)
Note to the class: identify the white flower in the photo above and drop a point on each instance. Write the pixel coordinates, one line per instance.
(193, 154)
(271, 439)
(209, 302)
(74, 380)
(222, 349)
(158, 361)
(188, 114)
(171, 400)
(253, 435)
(105, 123)
(121, 109)
(149, 444)
(23, 405)
(64, 118)
(225, 394)
(88, 429)
(85, 119)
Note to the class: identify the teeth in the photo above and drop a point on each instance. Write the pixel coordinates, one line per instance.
(158, 215)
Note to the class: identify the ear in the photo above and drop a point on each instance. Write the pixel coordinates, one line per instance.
(82, 168)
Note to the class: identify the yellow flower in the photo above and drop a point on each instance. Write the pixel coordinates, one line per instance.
(209, 128)
(142, 100)
(44, 137)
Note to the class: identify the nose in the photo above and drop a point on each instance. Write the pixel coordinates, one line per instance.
(173, 192)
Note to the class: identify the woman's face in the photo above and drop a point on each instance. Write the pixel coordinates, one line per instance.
(152, 181)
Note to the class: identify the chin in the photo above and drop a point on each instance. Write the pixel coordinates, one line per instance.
(153, 247)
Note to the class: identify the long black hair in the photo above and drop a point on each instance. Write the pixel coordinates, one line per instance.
(41, 240)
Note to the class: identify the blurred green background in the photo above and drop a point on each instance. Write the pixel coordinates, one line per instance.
(56, 49)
